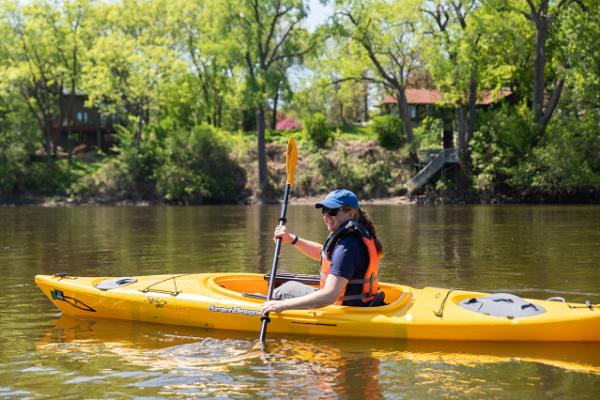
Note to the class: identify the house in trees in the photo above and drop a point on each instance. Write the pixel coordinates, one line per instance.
(82, 127)
(429, 103)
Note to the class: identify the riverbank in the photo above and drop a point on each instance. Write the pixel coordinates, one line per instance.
(431, 198)
(59, 201)
(229, 175)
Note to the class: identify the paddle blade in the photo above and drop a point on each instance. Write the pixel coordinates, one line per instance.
(291, 159)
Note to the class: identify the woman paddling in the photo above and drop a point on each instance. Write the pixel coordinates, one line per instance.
(349, 259)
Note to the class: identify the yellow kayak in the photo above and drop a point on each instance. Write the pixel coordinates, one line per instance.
(231, 301)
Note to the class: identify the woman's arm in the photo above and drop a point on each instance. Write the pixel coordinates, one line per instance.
(334, 285)
(308, 248)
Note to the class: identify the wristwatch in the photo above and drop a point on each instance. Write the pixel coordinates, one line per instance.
(295, 240)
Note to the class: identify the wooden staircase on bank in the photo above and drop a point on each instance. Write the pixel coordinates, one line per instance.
(436, 163)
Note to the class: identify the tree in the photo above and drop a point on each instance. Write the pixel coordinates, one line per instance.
(271, 34)
(202, 33)
(454, 55)
(385, 30)
(35, 63)
(577, 40)
(543, 15)
(76, 42)
(129, 82)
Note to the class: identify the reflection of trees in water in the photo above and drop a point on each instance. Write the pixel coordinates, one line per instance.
(172, 360)
(424, 245)
(263, 233)
(360, 378)
(457, 241)
(478, 247)
(260, 223)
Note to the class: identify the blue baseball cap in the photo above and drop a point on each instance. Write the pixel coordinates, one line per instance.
(339, 198)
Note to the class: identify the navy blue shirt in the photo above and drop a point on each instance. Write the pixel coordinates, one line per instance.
(350, 259)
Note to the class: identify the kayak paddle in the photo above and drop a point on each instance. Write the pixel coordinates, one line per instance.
(291, 158)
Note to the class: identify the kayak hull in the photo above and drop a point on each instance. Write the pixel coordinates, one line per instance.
(215, 301)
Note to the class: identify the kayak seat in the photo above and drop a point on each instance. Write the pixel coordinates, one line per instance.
(502, 305)
(378, 300)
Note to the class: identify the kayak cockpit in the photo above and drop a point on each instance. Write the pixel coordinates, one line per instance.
(256, 286)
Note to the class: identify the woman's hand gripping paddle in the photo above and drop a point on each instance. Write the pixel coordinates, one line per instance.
(291, 158)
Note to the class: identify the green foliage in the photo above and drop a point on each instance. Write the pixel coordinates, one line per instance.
(428, 135)
(197, 168)
(108, 183)
(139, 162)
(213, 62)
(129, 175)
(13, 161)
(316, 130)
(17, 145)
(57, 178)
(504, 139)
(389, 130)
(445, 186)
(566, 162)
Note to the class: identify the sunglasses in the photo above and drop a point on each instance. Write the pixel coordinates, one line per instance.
(332, 212)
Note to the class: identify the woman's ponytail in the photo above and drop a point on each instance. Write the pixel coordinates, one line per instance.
(365, 220)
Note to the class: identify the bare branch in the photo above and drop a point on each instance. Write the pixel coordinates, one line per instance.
(276, 18)
(361, 78)
(281, 41)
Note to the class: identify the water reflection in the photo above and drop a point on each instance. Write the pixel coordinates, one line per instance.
(183, 361)
(212, 360)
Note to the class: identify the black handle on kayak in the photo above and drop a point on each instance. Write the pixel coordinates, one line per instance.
(282, 220)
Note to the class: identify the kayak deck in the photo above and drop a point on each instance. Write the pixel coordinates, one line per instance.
(218, 301)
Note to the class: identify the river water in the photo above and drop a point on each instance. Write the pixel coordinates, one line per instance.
(531, 251)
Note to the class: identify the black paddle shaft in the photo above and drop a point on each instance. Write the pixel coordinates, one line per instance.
(282, 220)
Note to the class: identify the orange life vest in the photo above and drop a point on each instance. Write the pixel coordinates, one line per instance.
(370, 280)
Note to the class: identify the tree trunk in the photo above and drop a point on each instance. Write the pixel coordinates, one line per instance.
(461, 127)
(405, 115)
(219, 115)
(366, 103)
(48, 138)
(471, 115)
(61, 118)
(70, 121)
(262, 160)
(540, 63)
(472, 106)
(274, 116)
(138, 132)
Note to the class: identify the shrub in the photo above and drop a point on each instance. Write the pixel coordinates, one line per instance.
(13, 162)
(504, 139)
(130, 174)
(139, 163)
(566, 161)
(197, 168)
(18, 138)
(316, 130)
(428, 135)
(389, 130)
